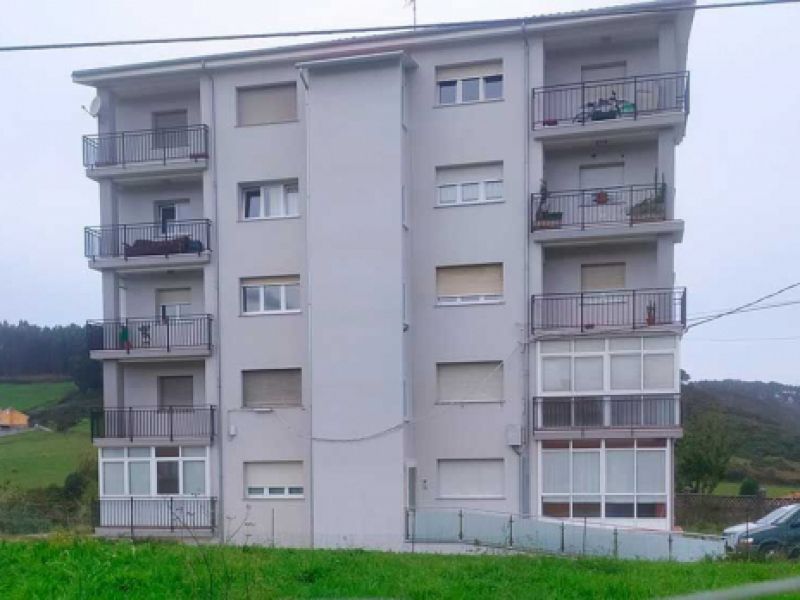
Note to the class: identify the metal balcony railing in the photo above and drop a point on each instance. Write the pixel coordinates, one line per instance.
(188, 236)
(173, 513)
(188, 142)
(163, 333)
(619, 205)
(607, 99)
(607, 412)
(168, 423)
(614, 309)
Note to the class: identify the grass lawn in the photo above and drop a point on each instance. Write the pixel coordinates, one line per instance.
(88, 568)
(38, 458)
(25, 396)
(731, 488)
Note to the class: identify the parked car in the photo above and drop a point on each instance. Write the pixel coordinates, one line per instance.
(780, 536)
(734, 532)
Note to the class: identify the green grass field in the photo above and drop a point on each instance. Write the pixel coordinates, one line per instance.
(731, 488)
(25, 396)
(38, 458)
(87, 568)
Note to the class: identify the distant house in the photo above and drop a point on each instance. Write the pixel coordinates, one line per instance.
(13, 419)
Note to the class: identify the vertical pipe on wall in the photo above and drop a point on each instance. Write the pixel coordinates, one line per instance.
(524, 462)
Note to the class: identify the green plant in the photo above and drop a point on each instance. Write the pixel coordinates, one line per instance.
(749, 487)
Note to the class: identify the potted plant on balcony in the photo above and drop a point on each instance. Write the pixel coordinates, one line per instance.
(545, 218)
(652, 208)
(601, 197)
(650, 314)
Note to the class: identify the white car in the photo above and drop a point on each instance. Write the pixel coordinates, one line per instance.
(734, 532)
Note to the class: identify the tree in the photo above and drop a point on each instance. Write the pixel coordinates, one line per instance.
(749, 487)
(703, 454)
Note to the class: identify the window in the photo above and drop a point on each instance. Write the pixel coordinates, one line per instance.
(270, 201)
(462, 84)
(614, 365)
(470, 381)
(469, 284)
(271, 387)
(152, 471)
(270, 295)
(167, 214)
(604, 479)
(471, 478)
(274, 479)
(175, 391)
(469, 184)
(266, 104)
(595, 278)
(174, 303)
(171, 129)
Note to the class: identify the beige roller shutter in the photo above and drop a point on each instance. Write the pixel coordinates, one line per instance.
(466, 71)
(466, 280)
(175, 391)
(464, 478)
(271, 387)
(178, 296)
(470, 382)
(279, 280)
(274, 473)
(602, 277)
(266, 104)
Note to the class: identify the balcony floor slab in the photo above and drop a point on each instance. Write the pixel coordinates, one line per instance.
(610, 233)
(150, 354)
(151, 263)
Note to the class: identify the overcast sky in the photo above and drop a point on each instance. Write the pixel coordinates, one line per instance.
(736, 176)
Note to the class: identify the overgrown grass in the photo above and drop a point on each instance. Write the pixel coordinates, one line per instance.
(39, 458)
(87, 568)
(25, 396)
(731, 488)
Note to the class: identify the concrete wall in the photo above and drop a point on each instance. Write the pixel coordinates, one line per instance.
(563, 66)
(140, 291)
(137, 113)
(140, 204)
(140, 387)
(639, 160)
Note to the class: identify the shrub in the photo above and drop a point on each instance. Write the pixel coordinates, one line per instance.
(749, 487)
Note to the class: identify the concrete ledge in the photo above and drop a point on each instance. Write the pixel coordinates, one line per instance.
(149, 354)
(610, 233)
(592, 129)
(125, 442)
(155, 262)
(133, 172)
(609, 433)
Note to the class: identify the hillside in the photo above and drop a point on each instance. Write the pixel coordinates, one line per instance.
(764, 419)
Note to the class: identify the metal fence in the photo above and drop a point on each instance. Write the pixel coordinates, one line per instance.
(620, 205)
(614, 309)
(187, 236)
(504, 530)
(168, 513)
(169, 423)
(710, 511)
(163, 333)
(606, 99)
(189, 142)
(609, 412)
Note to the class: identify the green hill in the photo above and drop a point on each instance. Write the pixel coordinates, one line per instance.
(27, 396)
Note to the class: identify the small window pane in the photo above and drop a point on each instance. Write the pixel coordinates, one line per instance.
(624, 344)
(139, 452)
(590, 345)
(139, 478)
(252, 203)
(619, 472)
(194, 477)
(193, 451)
(251, 299)
(619, 507)
(586, 472)
(167, 452)
(626, 372)
(470, 90)
(276, 491)
(274, 203)
(470, 192)
(113, 452)
(292, 297)
(556, 374)
(255, 491)
(493, 87)
(167, 477)
(447, 92)
(295, 491)
(659, 371)
(651, 468)
(659, 343)
(556, 347)
(494, 190)
(113, 479)
(272, 297)
(448, 194)
(292, 200)
(588, 373)
(555, 472)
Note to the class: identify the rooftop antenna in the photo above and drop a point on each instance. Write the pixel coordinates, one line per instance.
(413, 4)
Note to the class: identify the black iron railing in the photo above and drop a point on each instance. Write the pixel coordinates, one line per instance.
(189, 236)
(169, 423)
(606, 99)
(173, 513)
(622, 205)
(189, 142)
(615, 309)
(607, 412)
(163, 333)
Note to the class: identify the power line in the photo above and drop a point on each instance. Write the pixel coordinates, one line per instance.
(751, 339)
(745, 305)
(444, 26)
(702, 316)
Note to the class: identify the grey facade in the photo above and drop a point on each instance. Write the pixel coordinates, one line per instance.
(343, 280)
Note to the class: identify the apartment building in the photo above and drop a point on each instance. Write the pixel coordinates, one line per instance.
(345, 281)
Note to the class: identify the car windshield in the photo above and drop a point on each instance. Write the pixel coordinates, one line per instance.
(779, 515)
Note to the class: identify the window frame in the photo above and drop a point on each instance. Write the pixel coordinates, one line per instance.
(286, 493)
(459, 90)
(483, 197)
(243, 286)
(264, 86)
(261, 407)
(470, 299)
(264, 189)
(152, 461)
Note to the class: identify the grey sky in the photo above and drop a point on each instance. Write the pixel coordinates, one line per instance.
(734, 177)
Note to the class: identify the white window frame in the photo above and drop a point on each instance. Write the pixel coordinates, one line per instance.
(264, 191)
(282, 311)
(482, 195)
(606, 354)
(468, 300)
(459, 90)
(603, 494)
(285, 492)
(152, 461)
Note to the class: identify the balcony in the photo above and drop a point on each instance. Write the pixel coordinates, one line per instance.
(583, 413)
(159, 337)
(615, 310)
(626, 102)
(181, 515)
(130, 154)
(173, 244)
(174, 423)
